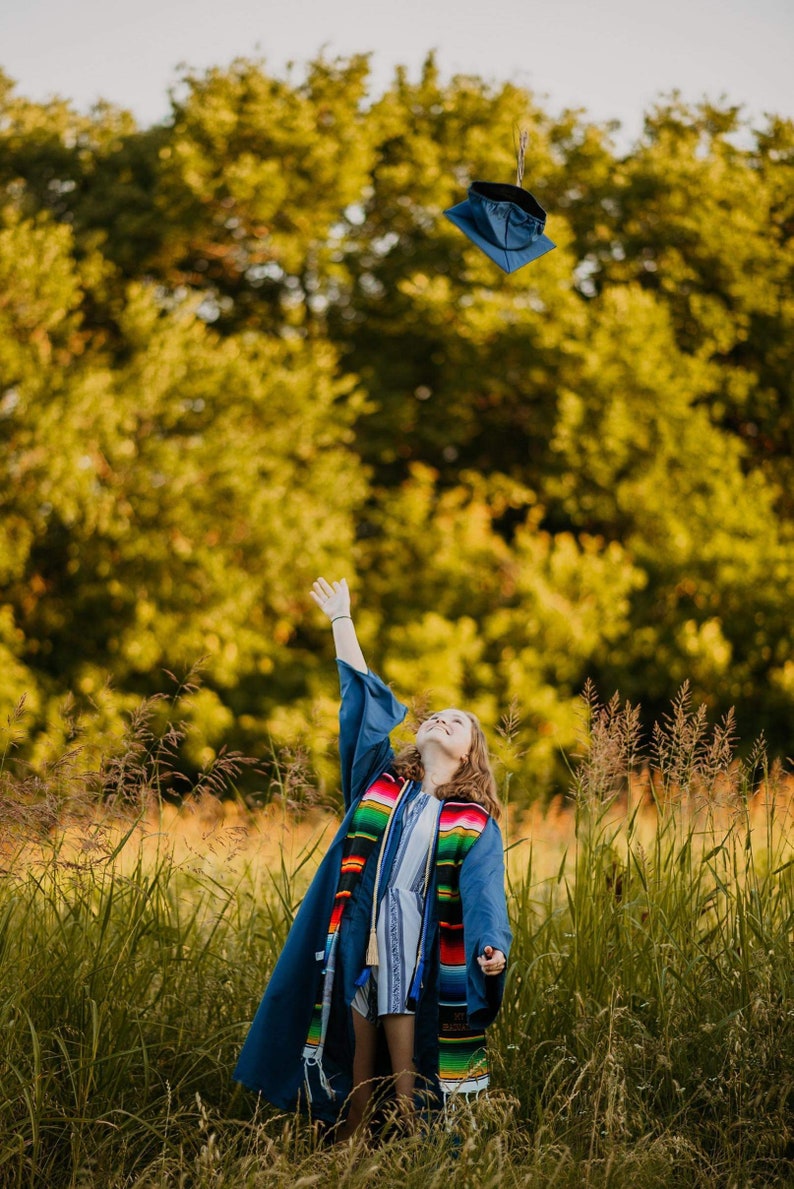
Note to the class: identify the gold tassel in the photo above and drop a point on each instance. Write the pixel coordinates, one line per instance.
(523, 141)
(372, 944)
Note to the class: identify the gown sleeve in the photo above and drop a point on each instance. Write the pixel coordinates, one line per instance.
(485, 922)
(368, 713)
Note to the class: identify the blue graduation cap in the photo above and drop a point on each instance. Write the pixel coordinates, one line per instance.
(505, 221)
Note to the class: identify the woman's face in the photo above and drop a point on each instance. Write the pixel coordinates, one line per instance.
(449, 730)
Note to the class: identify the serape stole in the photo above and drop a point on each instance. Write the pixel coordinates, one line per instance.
(367, 828)
(462, 1060)
(462, 1055)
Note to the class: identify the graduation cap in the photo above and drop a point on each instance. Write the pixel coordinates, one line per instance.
(505, 221)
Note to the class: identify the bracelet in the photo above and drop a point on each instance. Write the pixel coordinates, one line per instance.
(350, 617)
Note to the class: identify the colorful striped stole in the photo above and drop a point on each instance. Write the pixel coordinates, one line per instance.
(462, 1055)
(462, 1060)
(367, 828)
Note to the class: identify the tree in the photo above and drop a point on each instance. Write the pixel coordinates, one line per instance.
(643, 463)
(173, 506)
(701, 215)
(227, 363)
(454, 614)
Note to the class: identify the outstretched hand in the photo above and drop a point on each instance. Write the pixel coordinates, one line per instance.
(492, 961)
(333, 598)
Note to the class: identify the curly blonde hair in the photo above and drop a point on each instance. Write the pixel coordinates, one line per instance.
(474, 779)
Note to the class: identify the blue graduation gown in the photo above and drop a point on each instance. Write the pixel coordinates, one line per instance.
(271, 1060)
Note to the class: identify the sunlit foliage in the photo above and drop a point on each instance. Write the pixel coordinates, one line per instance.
(244, 346)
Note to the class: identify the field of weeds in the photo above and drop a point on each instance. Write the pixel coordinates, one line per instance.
(647, 1033)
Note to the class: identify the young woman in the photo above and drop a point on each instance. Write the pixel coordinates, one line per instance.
(395, 962)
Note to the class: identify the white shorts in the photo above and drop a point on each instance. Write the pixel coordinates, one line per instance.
(365, 1000)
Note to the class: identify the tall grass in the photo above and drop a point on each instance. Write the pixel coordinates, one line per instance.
(647, 1034)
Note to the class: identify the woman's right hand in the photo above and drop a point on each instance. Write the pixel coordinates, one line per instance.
(333, 598)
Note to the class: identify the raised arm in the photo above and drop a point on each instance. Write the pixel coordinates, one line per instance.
(369, 710)
(333, 599)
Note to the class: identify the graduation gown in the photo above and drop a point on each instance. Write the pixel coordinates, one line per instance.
(271, 1060)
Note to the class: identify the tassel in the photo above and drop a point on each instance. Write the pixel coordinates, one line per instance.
(412, 1001)
(326, 1085)
(523, 140)
(372, 945)
(314, 1062)
(363, 978)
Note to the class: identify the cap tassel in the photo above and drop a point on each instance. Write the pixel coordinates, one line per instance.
(372, 945)
(523, 141)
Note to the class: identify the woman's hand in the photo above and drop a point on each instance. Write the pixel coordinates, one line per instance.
(332, 598)
(492, 961)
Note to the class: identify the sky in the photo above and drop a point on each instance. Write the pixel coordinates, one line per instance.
(611, 57)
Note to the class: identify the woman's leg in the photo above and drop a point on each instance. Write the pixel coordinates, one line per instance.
(399, 1031)
(366, 1036)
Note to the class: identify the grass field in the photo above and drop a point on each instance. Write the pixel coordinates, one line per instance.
(646, 1038)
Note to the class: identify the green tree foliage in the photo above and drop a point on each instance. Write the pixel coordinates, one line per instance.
(643, 461)
(705, 220)
(175, 504)
(462, 361)
(541, 610)
(244, 346)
